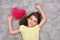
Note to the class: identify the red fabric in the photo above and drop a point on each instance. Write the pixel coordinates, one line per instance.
(18, 13)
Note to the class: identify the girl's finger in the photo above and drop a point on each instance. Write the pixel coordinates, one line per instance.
(9, 14)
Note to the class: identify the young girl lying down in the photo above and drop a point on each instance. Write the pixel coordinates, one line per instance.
(30, 25)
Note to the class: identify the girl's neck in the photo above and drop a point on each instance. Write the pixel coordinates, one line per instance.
(32, 26)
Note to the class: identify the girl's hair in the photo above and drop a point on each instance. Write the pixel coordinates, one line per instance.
(23, 20)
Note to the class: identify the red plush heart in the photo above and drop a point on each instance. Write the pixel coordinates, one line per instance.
(18, 13)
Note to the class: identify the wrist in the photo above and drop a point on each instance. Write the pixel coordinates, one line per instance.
(9, 21)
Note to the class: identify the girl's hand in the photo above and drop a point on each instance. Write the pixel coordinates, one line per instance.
(9, 17)
(37, 5)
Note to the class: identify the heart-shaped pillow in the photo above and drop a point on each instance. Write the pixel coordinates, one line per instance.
(18, 13)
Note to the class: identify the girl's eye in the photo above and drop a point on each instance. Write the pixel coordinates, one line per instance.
(34, 21)
(31, 18)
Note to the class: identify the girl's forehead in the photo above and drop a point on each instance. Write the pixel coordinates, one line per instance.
(33, 17)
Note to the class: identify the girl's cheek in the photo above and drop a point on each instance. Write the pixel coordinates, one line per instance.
(30, 20)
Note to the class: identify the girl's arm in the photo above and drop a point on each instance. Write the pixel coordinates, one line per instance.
(11, 30)
(42, 13)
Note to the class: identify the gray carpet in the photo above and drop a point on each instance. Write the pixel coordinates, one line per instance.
(49, 31)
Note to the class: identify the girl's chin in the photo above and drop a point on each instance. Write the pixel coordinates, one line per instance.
(30, 25)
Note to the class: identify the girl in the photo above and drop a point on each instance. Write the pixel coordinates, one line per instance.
(30, 25)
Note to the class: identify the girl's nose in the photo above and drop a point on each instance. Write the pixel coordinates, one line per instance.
(31, 21)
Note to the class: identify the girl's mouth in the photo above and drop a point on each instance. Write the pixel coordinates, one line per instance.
(31, 23)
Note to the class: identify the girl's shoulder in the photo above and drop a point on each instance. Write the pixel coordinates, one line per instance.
(37, 26)
(22, 26)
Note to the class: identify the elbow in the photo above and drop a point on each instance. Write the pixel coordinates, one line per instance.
(11, 32)
(45, 18)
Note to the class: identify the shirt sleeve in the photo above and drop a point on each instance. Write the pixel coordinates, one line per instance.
(38, 27)
(21, 28)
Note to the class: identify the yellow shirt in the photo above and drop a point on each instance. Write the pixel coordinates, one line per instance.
(30, 33)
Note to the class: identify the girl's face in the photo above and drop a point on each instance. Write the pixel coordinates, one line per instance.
(32, 21)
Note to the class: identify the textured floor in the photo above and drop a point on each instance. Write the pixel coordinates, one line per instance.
(49, 31)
